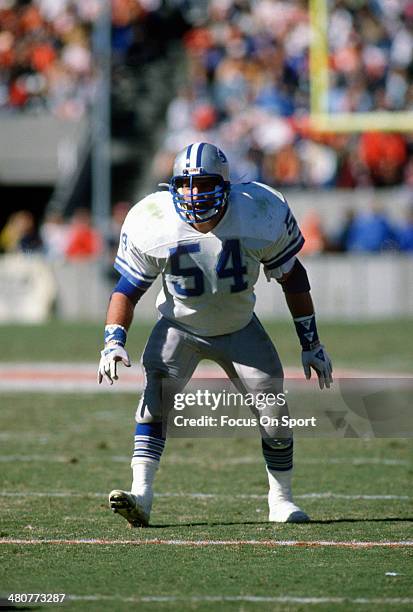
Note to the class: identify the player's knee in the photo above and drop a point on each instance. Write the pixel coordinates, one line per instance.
(157, 398)
(270, 383)
(163, 349)
(150, 406)
(145, 418)
(277, 373)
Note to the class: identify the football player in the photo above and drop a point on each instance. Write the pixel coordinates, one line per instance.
(208, 239)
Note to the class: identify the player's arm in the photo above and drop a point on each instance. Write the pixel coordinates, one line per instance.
(138, 271)
(118, 320)
(296, 287)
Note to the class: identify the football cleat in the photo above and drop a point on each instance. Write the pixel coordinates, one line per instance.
(130, 507)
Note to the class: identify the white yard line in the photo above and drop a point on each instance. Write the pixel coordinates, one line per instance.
(324, 495)
(201, 543)
(34, 458)
(283, 599)
(25, 435)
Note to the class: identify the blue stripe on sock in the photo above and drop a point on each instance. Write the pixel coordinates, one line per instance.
(155, 449)
(154, 443)
(146, 453)
(149, 441)
(149, 429)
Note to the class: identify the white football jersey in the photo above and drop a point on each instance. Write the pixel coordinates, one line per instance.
(208, 279)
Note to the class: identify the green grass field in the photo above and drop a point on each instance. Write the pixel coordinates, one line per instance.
(62, 453)
(374, 345)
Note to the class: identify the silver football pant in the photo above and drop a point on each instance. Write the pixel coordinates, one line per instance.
(248, 357)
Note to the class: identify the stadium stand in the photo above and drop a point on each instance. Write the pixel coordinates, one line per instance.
(45, 56)
(239, 79)
(47, 86)
(248, 90)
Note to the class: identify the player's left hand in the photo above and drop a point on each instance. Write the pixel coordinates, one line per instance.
(110, 356)
(319, 360)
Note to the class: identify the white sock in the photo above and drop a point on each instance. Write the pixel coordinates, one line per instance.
(280, 499)
(143, 477)
(280, 486)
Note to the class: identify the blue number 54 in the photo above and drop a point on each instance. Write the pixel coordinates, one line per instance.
(229, 265)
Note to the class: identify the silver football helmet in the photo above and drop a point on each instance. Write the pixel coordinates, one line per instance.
(201, 161)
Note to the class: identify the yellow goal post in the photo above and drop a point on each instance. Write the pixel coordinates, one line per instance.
(320, 117)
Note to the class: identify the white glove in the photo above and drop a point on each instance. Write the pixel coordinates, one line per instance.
(319, 360)
(110, 356)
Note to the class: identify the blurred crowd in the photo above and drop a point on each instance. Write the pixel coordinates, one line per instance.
(46, 59)
(45, 56)
(61, 239)
(247, 79)
(367, 231)
(46, 49)
(248, 90)
(75, 239)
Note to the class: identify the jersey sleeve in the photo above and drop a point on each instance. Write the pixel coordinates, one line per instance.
(139, 268)
(279, 257)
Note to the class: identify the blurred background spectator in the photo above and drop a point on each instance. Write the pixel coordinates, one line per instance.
(54, 234)
(340, 240)
(20, 235)
(405, 232)
(232, 72)
(246, 84)
(45, 56)
(248, 90)
(119, 212)
(371, 232)
(83, 241)
(312, 229)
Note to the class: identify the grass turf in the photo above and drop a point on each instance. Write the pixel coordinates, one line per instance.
(372, 345)
(79, 445)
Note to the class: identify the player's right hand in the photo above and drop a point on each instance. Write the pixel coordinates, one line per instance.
(110, 357)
